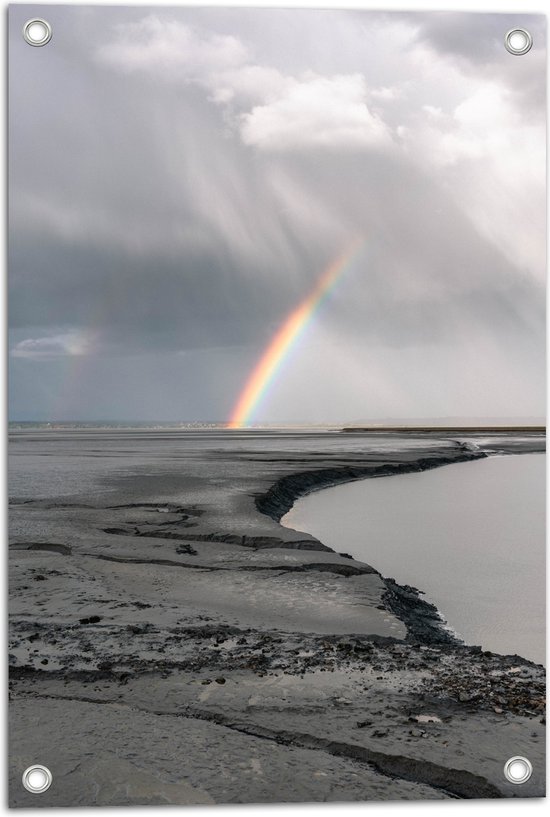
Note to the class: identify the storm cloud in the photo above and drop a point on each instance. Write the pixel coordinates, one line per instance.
(180, 178)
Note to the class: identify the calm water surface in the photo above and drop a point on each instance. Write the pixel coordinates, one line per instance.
(470, 535)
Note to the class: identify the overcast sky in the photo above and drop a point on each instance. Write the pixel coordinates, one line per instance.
(179, 180)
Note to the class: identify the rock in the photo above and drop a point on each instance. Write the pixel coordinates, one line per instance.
(220, 680)
(187, 550)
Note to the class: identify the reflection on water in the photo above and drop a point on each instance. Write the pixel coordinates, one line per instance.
(471, 535)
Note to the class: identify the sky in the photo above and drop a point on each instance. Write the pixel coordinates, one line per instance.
(181, 179)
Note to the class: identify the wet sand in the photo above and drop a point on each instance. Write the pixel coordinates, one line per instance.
(167, 629)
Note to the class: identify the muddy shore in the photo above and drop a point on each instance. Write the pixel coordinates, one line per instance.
(172, 643)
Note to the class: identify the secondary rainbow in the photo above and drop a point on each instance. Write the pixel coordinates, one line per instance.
(279, 347)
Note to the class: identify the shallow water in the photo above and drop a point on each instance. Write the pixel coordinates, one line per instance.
(470, 535)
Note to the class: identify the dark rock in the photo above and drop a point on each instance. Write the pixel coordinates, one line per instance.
(186, 549)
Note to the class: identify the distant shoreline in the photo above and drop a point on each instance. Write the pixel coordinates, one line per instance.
(66, 425)
(446, 429)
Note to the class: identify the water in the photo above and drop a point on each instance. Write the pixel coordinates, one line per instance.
(471, 535)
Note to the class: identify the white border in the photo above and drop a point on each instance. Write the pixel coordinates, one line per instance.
(459, 808)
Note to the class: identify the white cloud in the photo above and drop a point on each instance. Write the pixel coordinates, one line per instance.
(54, 346)
(432, 111)
(316, 111)
(491, 156)
(171, 49)
(249, 83)
(308, 110)
(385, 94)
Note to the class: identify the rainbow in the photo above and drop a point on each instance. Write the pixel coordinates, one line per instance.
(271, 361)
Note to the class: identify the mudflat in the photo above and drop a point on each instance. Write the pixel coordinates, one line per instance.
(171, 642)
